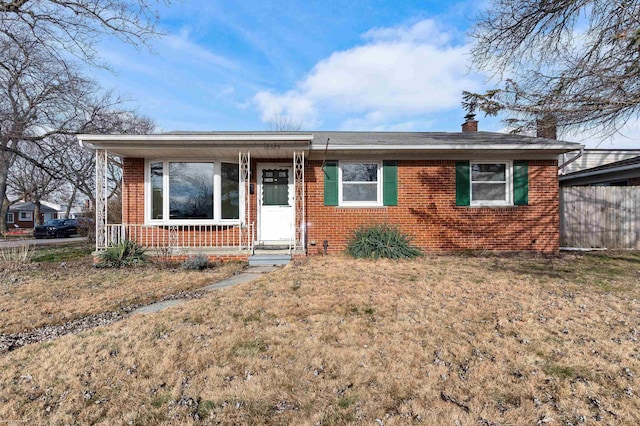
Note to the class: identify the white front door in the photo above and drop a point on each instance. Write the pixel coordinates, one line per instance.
(276, 213)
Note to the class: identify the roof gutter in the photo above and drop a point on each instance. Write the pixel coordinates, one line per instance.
(444, 147)
(196, 138)
(93, 142)
(577, 175)
(571, 160)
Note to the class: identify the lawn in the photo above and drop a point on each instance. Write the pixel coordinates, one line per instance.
(445, 339)
(61, 284)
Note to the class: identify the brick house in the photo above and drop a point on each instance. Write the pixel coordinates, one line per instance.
(23, 214)
(229, 194)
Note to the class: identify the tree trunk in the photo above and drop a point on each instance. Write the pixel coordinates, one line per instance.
(4, 206)
(37, 220)
(72, 199)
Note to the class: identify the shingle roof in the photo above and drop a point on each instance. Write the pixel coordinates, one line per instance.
(283, 144)
(29, 206)
(395, 138)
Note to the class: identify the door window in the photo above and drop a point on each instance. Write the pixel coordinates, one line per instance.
(275, 187)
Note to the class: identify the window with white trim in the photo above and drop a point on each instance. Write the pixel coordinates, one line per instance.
(25, 216)
(360, 183)
(491, 183)
(10, 218)
(202, 192)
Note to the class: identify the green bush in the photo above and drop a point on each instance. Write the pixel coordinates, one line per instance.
(196, 263)
(381, 241)
(127, 253)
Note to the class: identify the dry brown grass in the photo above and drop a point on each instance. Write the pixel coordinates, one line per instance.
(37, 294)
(441, 340)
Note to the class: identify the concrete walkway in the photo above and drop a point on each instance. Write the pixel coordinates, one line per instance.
(248, 275)
(19, 242)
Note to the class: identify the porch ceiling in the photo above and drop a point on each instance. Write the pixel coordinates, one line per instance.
(267, 146)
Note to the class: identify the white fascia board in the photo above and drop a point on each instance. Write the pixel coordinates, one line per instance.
(195, 138)
(151, 142)
(449, 147)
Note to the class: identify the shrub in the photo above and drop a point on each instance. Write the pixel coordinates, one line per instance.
(127, 253)
(16, 255)
(196, 263)
(87, 229)
(163, 257)
(381, 241)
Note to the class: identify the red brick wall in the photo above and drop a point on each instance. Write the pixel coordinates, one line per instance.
(133, 190)
(426, 210)
(22, 223)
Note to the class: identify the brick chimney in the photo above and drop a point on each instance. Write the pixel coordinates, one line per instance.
(470, 125)
(546, 127)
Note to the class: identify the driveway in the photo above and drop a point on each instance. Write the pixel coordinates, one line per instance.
(6, 243)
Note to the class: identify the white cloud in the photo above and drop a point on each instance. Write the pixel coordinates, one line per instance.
(188, 50)
(425, 31)
(170, 50)
(292, 105)
(399, 75)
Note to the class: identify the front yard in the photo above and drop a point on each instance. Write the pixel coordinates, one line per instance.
(62, 285)
(446, 339)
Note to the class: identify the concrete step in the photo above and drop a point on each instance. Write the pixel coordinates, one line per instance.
(270, 252)
(271, 247)
(269, 259)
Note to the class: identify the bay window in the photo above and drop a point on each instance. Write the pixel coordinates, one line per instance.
(192, 192)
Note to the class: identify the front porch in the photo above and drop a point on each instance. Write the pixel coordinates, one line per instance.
(183, 239)
(245, 206)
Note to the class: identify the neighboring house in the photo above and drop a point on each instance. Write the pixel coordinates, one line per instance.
(21, 214)
(620, 173)
(229, 193)
(75, 212)
(589, 158)
(600, 206)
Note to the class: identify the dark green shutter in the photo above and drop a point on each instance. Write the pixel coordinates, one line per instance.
(390, 183)
(520, 183)
(463, 183)
(331, 183)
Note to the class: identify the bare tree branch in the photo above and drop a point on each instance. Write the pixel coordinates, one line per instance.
(43, 94)
(74, 27)
(576, 59)
(283, 123)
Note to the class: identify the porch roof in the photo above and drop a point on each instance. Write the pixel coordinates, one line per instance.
(282, 144)
(195, 144)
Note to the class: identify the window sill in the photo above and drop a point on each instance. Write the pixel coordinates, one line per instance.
(492, 206)
(194, 223)
(361, 206)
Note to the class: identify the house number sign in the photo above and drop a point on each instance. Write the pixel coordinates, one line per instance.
(271, 146)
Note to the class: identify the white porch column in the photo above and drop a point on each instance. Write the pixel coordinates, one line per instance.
(244, 161)
(298, 199)
(101, 199)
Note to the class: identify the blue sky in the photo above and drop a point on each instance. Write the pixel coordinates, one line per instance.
(328, 65)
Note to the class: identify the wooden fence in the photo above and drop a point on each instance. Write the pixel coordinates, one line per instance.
(600, 217)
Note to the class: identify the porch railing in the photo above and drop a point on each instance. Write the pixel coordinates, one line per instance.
(240, 237)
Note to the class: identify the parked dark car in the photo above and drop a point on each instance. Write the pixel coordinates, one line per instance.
(56, 228)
